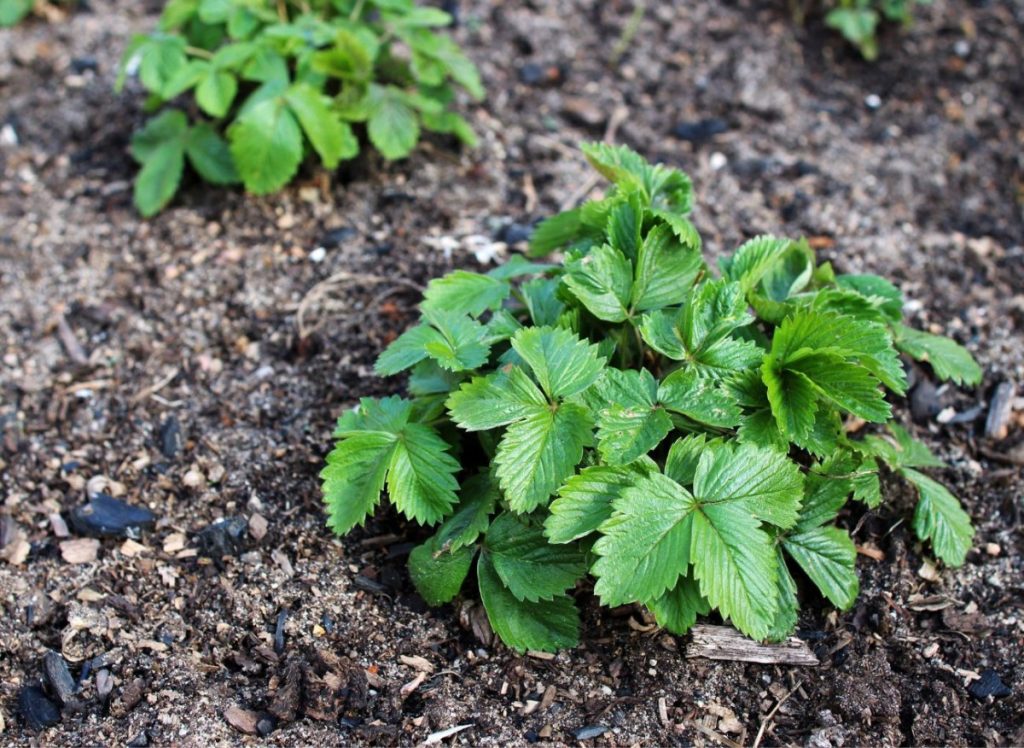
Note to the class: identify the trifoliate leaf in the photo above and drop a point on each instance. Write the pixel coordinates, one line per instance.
(661, 186)
(393, 127)
(827, 556)
(681, 226)
(767, 483)
(159, 177)
(555, 232)
(683, 456)
(630, 422)
(209, 155)
(540, 296)
(601, 280)
(547, 625)
(438, 574)
(406, 350)
(563, 364)
(752, 260)
(949, 359)
(216, 91)
(787, 615)
(698, 397)
(496, 400)
(421, 476)
(477, 500)
(459, 343)
(266, 144)
(538, 453)
(331, 138)
(734, 562)
(530, 567)
(940, 519)
(645, 545)
(677, 609)
(464, 292)
(849, 386)
(585, 501)
(354, 478)
(665, 270)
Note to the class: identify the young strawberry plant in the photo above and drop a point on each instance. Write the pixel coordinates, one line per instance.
(858, 20)
(264, 83)
(686, 438)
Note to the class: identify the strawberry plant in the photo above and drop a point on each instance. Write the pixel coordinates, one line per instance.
(263, 83)
(685, 438)
(858, 20)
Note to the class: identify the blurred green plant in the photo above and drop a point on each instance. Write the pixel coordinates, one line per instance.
(858, 20)
(273, 80)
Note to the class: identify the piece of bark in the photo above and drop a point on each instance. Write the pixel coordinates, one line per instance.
(999, 411)
(726, 643)
(79, 550)
(242, 720)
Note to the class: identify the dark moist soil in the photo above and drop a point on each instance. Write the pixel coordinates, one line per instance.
(182, 380)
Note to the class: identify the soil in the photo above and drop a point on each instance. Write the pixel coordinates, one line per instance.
(164, 362)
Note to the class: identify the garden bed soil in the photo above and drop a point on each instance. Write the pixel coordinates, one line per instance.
(163, 361)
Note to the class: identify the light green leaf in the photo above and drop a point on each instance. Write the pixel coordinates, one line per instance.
(459, 343)
(949, 359)
(538, 453)
(393, 126)
(495, 400)
(465, 293)
(585, 501)
(734, 562)
(665, 270)
(209, 155)
(421, 476)
(407, 349)
(630, 422)
(354, 477)
(540, 296)
(563, 364)
(645, 545)
(827, 556)
(767, 483)
(677, 609)
(531, 568)
(547, 625)
(699, 397)
(266, 144)
(940, 519)
(160, 148)
(331, 138)
(601, 280)
(849, 386)
(216, 91)
(752, 260)
(555, 232)
(438, 574)
(683, 456)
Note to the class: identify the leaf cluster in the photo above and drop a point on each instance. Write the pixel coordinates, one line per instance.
(268, 82)
(677, 434)
(858, 20)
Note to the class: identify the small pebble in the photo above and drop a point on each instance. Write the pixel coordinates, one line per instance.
(590, 732)
(873, 101)
(105, 515)
(243, 720)
(225, 537)
(718, 161)
(58, 677)
(990, 684)
(700, 130)
(317, 255)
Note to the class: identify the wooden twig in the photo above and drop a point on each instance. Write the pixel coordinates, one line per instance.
(726, 643)
(771, 715)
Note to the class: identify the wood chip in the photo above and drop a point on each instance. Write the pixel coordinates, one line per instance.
(437, 737)
(174, 542)
(548, 698)
(258, 526)
(726, 643)
(928, 571)
(242, 720)
(871, 551)
(419, 663)
(130, 548)
(58, 525)
(79, 550)
(412, 685)
(538, 655)
(663, 711)
(997, 423)
(16, 551)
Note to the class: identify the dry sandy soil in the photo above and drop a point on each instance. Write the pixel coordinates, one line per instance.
(163, 361)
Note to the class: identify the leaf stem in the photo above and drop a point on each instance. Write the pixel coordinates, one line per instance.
(199, 52)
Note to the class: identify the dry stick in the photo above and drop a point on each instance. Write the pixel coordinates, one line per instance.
(771, 715)
(339, 279)
(709, 733)
(154, 388)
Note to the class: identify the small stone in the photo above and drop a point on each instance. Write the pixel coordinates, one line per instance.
(514, 233)
(317, 255)
(36, 709)
(700, 130)
(925, 402)
(104, 515)
(225, 537)
(81, 65)
(590, 732)
(337, 237)
(242, 720)
(58, 677)
(583, 111)
(873, 101)
(990, 684)
(139, 741)
(170, 437)
(531, 74)
(718, 161)
(79, 550)
(266, 725)
(193, 478)
(962, 48)
(993, 549)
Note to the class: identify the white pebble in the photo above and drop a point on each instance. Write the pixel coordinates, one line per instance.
(718, 161)
(317, 255)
